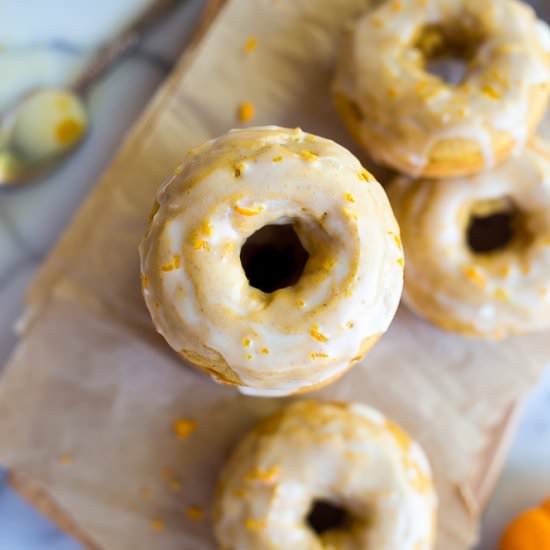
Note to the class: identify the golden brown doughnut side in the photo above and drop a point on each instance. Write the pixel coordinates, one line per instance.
(448, 158)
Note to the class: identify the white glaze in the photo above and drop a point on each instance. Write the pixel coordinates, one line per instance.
(351, 285)
(345, 453)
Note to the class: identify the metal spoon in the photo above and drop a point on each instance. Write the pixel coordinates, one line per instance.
(45, 126)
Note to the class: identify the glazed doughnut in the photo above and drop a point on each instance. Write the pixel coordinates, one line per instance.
(422, 125)
(326, 475)
(478, 248)
(272, 260)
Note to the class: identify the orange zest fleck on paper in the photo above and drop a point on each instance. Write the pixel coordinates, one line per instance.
(246, 111)
(184, 427)
(194, 513)
(157, 524)
(250, 44)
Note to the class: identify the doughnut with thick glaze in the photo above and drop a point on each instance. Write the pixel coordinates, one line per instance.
(345, 455)
(478, 248)
(304, 335)
(422, 125)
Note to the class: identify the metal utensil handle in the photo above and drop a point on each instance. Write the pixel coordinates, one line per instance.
(130, 37)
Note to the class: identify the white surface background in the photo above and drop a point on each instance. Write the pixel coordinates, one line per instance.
(47, 42)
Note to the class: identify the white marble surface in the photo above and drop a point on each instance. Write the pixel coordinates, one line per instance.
(48, 42)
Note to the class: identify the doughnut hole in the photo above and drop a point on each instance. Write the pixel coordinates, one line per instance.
(273, 257)
(324, 516)
(495, 225)
(448, 50)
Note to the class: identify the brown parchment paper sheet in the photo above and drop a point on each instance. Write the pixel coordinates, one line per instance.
(88, 400)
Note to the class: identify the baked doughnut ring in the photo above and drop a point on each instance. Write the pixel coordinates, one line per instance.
(272, 260)
(478, 248)
(422, 125)
(326, 475)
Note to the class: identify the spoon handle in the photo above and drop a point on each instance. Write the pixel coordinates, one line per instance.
(129, 38)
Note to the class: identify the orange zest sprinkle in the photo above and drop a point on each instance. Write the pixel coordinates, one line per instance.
(349, 197)
(157, 524)
(250, 44)
(265, 351)
(175, 263)
(474, 275)
(318, 355)
(66, 459)
(254, 524)
(201, 244)
(278, 158)
(243, 211)
(490, 92)
(184, 427)
(246, 342)
(249, 356)
(194, 513)
(365, 175)
(317, 335)
(300, 303)
(268, 476)
(396, 239)
(401, 261)
(246, 111)
(308, 155)
(145, 281)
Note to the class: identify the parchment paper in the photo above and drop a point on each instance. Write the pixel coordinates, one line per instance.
(88, 402)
